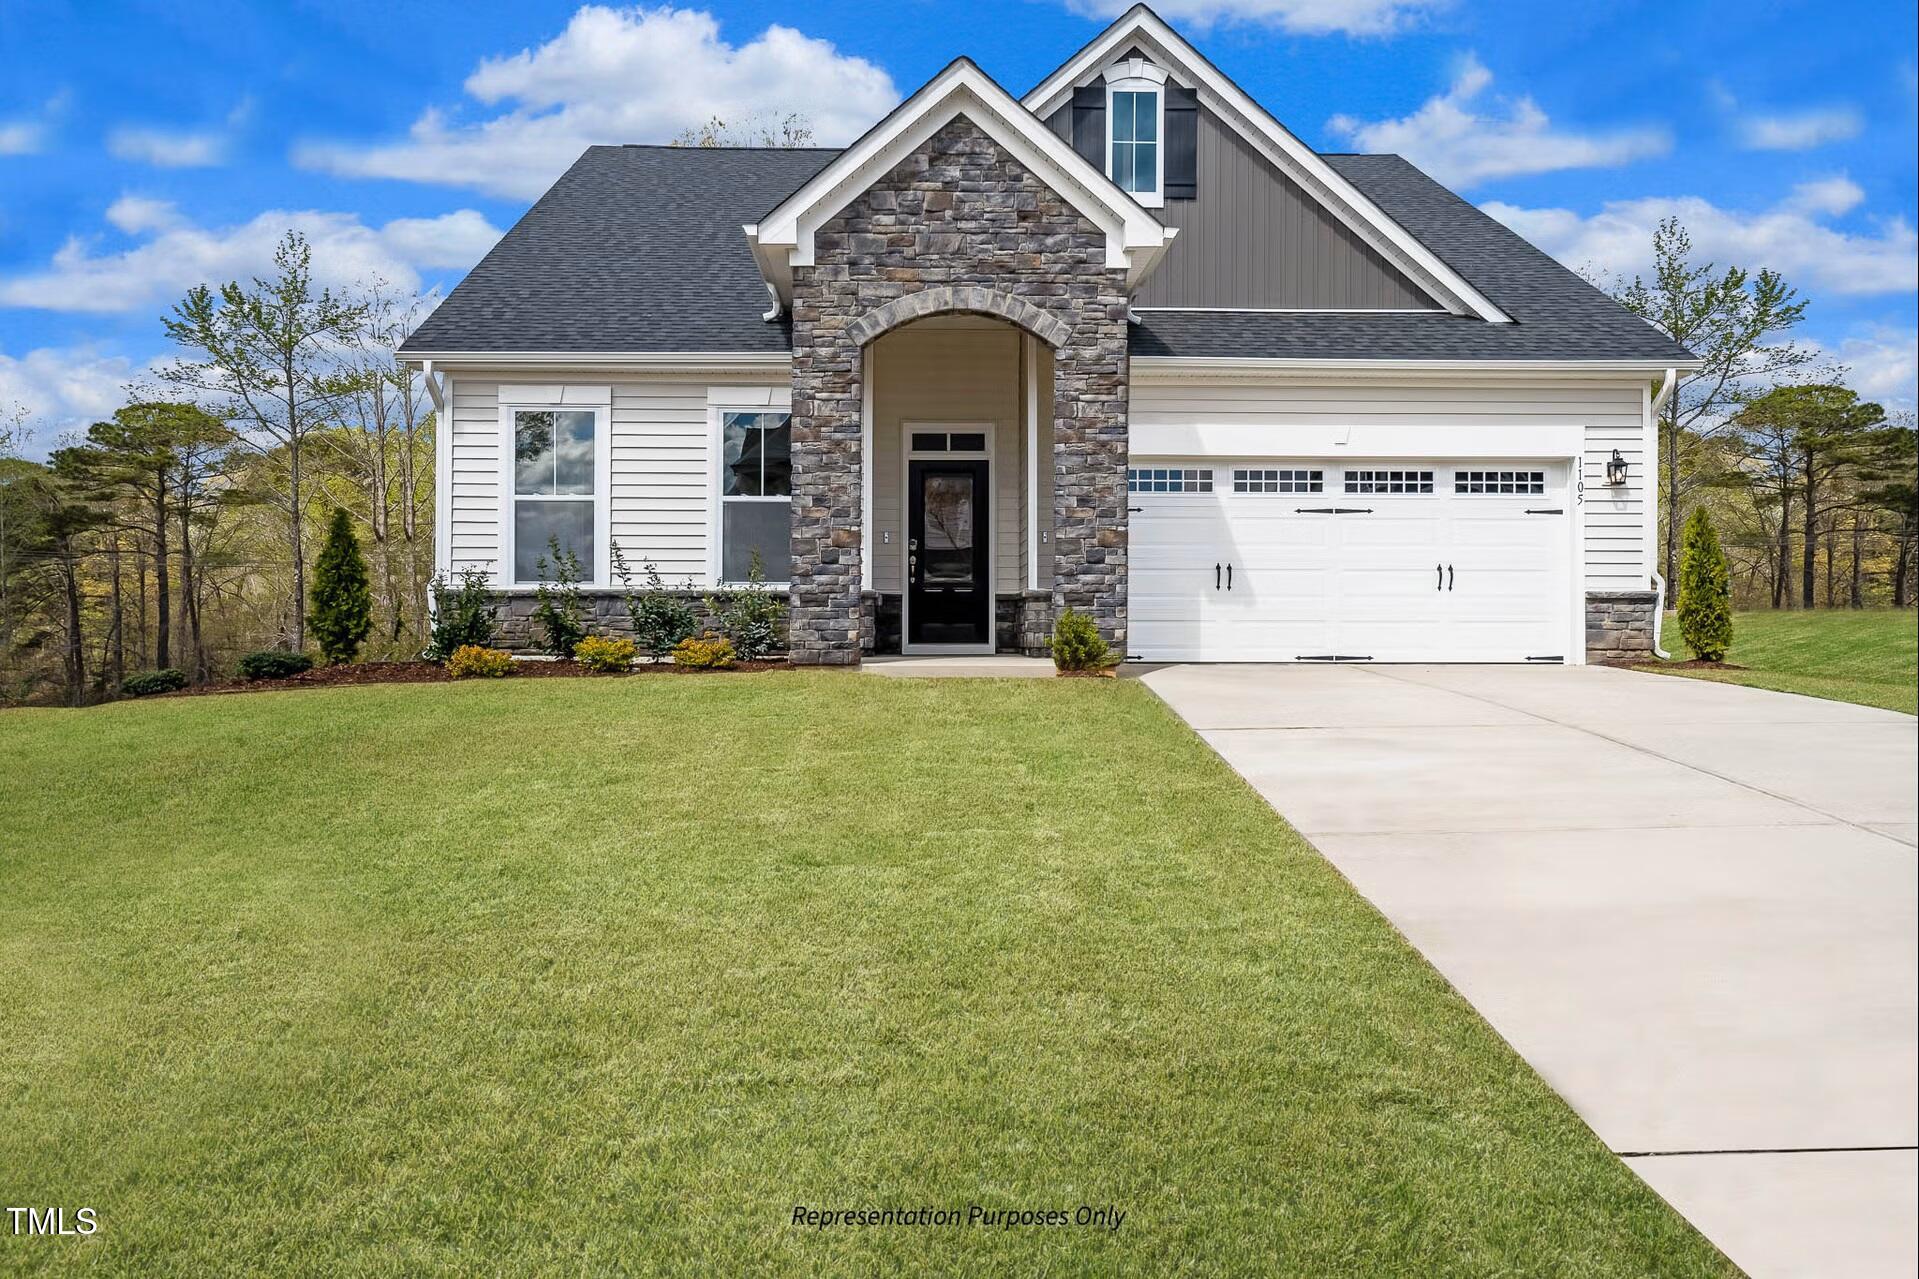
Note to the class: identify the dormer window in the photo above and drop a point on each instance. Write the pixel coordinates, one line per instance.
(1136, 130)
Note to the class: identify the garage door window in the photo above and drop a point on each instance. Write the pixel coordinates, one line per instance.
(1259, 480)
(1519, 483)
(1375, 482)
(1169, 479)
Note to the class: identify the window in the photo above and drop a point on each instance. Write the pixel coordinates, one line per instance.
(949, 442)
(554, 489)
(1159, 479)
(1134, 130)
(756, 494)
(1255, 480)
(1389, 482)
(1523, 483)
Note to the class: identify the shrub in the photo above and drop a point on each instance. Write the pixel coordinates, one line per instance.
(559, 610)
(147, 683)
(707, 652)
(659, 620)
(1078, 646)
(342, 598)
(605, 653)
(753, 617)
(470, 661)
(274, 663)
(1705, 590)
(463, 615)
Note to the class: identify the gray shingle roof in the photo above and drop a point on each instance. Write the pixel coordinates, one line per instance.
(639, 249)
(634, 249)
(1558, 316)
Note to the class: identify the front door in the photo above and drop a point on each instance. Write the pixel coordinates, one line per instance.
(949, 599)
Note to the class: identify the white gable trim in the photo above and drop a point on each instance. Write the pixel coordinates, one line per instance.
(1140, 25)
(783, 239)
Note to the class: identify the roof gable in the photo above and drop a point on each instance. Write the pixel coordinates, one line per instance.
(783, 239)
(1140, 29)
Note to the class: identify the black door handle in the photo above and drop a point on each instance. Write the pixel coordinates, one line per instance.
(1229, 577)
(1449, 577)
(1215, 577)
(1440, 585)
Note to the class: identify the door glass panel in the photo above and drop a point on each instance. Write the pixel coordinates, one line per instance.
(947, 555)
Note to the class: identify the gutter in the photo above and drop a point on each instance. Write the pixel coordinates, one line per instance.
(1652, 504)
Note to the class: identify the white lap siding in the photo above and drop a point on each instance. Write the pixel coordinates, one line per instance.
(1437, 420)
(660, 481)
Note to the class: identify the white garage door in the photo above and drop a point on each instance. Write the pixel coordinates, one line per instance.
(1276, 561)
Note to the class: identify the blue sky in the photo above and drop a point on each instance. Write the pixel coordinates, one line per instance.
(147, 146)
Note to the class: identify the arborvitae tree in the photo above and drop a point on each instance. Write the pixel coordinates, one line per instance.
(342, 598)
(1705, 591)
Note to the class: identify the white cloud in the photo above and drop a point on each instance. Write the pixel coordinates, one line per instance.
(1303, 17)
(1789, 237)
(65, 388)
(167, 149)
(1800, 130)
(1831, 196)
(1460, 141)
(614, 76)
(179, 255)
(1883, 364)
(21, 137)
(137, 213)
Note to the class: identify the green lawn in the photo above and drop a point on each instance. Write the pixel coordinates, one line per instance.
(1869, 656)
(596, 976)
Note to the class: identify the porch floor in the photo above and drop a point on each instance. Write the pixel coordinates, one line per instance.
(997, 666)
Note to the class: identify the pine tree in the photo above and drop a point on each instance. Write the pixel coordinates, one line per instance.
(342, 598)
(1705, 591)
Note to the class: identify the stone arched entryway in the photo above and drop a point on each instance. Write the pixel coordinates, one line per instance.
(959, 226)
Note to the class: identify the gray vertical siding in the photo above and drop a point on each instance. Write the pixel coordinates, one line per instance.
(1255, 239)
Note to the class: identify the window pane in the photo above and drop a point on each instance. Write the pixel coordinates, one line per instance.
(1145, 117)
(1145, 166)
(929, 441)
(739, 467)
(746, 527)
(532, 452)
(573, 451)
(969, 442)
(535, 523)
(1123, 166)
(776, 450)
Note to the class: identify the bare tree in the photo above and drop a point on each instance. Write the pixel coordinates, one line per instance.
(1735, 324)
(788, 132)
(269, 362)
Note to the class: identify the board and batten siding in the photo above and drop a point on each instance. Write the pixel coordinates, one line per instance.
(660, 481)
(1438, 421)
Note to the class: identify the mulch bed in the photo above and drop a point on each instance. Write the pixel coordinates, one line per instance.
(1691, 664)
(431, 673)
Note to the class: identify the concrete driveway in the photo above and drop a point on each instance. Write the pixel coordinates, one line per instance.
(1692, 906)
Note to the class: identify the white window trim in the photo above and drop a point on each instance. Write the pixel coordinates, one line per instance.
(716, 411)
(598, 573)
(1136, 75)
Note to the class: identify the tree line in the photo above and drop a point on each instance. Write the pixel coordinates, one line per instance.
(177, 532)
(1813, 489)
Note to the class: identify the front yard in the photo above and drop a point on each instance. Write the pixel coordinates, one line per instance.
(585, 976)
(1869, 656)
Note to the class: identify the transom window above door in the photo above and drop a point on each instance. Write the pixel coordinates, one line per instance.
(948, 441)
(756, 495)
(554, 490)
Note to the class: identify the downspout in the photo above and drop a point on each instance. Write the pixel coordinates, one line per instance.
(1652, 502)
(433, 387)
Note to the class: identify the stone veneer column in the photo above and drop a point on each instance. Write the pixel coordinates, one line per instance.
(958, 226)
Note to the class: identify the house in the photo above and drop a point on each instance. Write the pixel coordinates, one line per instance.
(1124, 345)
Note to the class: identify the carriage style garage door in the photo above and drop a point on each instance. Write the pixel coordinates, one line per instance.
(1392, 561)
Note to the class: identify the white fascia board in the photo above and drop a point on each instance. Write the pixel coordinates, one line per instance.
(610, 361)
(1135, 239)
(1174, 368)
(1339, 440)
(1294, 158)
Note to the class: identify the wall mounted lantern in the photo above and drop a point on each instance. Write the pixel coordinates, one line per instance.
(1616, 469)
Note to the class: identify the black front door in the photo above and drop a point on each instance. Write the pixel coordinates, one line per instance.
(948, 597)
